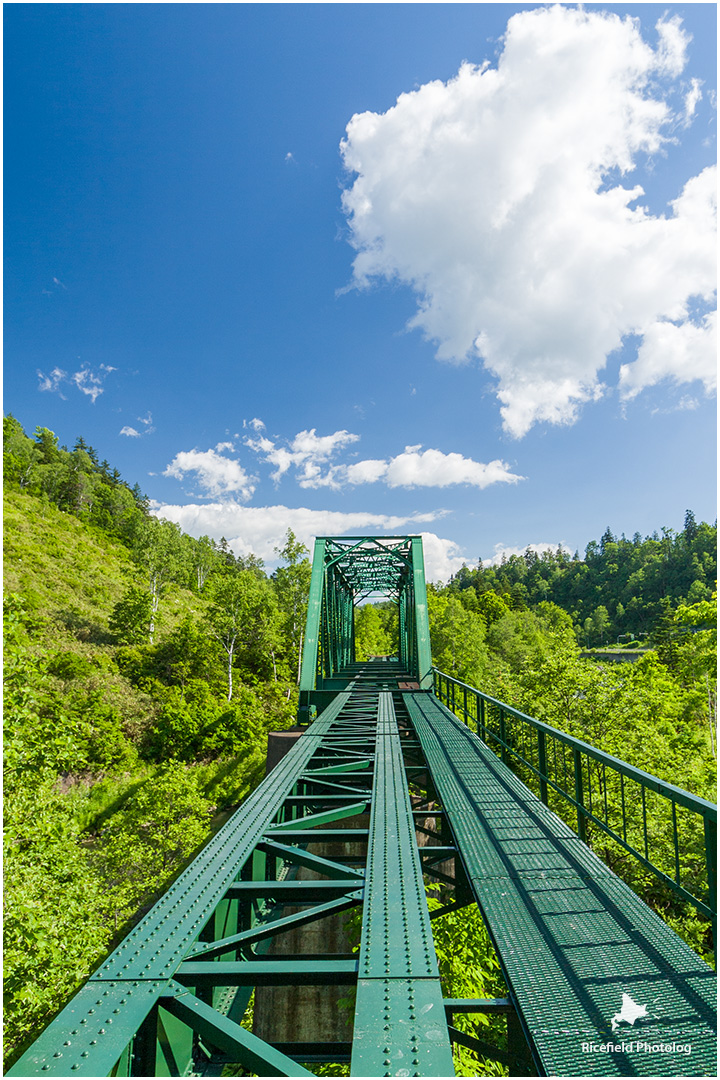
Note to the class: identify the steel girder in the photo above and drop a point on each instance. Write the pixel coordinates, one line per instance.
(170, 998)
(345, 572)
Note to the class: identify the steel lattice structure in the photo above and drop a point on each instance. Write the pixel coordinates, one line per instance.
(389, 789)
(345, 572)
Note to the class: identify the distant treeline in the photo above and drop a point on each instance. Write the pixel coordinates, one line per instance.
(620, 589)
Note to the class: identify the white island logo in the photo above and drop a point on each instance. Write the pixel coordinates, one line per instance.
(629, 1013)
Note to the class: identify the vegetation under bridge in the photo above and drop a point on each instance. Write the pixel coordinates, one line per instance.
(409, 779)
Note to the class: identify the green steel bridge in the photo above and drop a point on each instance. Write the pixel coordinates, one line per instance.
(400, 777)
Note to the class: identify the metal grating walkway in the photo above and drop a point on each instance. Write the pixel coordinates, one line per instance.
(572, 938)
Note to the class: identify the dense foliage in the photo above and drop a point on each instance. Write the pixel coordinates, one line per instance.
(621, 588)
(143, 669)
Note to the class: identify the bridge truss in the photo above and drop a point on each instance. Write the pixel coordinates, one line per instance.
(384, 792)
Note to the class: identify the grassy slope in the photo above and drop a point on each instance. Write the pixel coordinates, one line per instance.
(72, 574)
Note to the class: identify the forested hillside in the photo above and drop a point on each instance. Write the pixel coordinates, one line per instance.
(144, 669)
(620, 589)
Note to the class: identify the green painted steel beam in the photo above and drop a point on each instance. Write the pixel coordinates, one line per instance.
(422, 625)
(330, 787)
(400, 1027)
(263, 931)
(343, 767)
(240, 1045)
(280, 972)
(323, 816)
(313, 836)
(293, 891)
(300, 857)
(308, 669)
(478, 1005)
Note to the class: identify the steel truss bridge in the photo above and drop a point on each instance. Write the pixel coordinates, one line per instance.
(403, 777)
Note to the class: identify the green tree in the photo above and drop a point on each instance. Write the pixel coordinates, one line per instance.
(600, 624)
(205, 560)
(293, 589)
(371, 637)
(457, 638)
(20, 454)
(158, 550)
(243, 617)
(149, 838)
(491, 606)
(131, 617)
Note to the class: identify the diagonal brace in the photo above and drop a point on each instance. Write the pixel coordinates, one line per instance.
(300, 857)
(275, 926)
(228, 1036)
(323, 816)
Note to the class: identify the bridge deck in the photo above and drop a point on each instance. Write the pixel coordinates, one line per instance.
(571, 937)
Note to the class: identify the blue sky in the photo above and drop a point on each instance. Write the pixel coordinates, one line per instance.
(486, 316)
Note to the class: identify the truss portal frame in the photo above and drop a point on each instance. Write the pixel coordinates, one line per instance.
(346, 571)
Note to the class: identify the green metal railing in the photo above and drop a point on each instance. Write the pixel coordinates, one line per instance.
(667, 830)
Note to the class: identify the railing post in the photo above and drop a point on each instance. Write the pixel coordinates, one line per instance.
(465, 712)
(481, 716)
(452, 686)
(542, 766)
(577, 760)
(503, 738)
(711, 866)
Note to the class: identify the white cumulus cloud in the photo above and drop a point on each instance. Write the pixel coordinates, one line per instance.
(503, 551)
(499, 197)
(310, 454)
(131, 432)
(51, 382)
(259, 530)
(433, 468)
(217, 475)
(307, 452)
(442, 557)
(669, 351)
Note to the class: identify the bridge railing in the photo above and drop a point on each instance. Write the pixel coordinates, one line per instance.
(668, 831)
